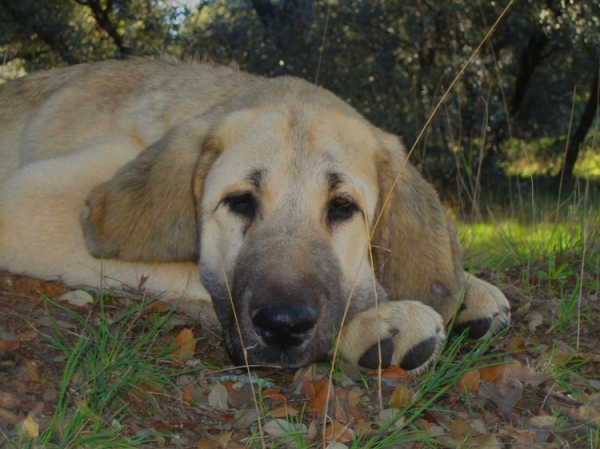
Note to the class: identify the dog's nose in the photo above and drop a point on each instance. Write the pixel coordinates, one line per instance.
(285, 325)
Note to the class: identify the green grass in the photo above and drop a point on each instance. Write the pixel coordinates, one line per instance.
(109, 361)
(525, 233)
(554, 245)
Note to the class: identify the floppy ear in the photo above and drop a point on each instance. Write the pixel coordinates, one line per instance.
(147, 211)
(416, 253)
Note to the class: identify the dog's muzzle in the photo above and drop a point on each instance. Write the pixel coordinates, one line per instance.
(284, 326)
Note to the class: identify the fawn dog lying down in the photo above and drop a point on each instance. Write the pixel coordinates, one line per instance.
(270, 198)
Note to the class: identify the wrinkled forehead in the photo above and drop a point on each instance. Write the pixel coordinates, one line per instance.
(299, 144)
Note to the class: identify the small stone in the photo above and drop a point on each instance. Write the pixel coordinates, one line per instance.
(50, 395)
(436, 431)
(9, 400)
(143, 433)
(78, 298)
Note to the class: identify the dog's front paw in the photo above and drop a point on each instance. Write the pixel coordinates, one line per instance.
(485, 311)
(408, 334)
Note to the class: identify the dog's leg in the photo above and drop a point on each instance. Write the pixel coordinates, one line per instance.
(410, 334)
(40, 233)
(484, 309)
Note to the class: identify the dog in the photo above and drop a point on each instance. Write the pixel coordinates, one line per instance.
(270, 204)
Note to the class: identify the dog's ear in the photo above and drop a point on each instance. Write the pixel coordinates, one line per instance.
(147, 211)
(415, 250)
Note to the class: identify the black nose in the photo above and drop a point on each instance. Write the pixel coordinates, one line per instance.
(285, 325)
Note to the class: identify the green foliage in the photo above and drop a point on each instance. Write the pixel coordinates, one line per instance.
(105, 366)
(391, 60)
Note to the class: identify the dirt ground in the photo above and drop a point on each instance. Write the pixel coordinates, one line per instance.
(549, 394)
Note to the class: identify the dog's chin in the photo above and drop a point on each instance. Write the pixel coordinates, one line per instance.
(258, 353)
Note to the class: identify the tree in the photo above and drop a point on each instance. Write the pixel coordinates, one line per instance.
(391, 60)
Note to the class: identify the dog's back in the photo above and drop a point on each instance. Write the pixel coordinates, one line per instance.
(56, 112)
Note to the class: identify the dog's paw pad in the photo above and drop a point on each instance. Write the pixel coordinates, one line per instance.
(410, 335)
(370, 359)
(420, 356)
(476, 328)
(485, 311)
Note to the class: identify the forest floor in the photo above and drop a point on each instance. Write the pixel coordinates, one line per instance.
(110, 373)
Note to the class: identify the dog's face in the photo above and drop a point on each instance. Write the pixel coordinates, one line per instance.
(285, 211)
(276, 202)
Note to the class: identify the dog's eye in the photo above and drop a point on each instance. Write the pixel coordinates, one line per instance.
(340, 209)
(242, 204)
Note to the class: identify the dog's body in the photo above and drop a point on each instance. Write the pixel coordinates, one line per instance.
(271, 187)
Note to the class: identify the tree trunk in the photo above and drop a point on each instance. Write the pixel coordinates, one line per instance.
(585, 123)
(102, 16)
(529, 60)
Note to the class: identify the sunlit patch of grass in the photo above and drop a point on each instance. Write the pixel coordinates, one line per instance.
(588, 165)
(530, 234)
(510, 243)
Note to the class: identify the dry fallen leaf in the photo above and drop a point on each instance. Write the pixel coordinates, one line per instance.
(336, 431)
(506, 394)
(392, 372)
(32, 372)
(9, 345)
(535, 320)
(274, 394)
(518, 344)
(31, 426)
(542, 421)
(185, 345)
(469, 381)
(493, 374)
(461, 429)
(400, 398)
(223, 438)
(307, 388)
(186, 394)
(585, 413)
(143, 280)
(9, 417)
(208, 444)
(278, 427)
(244, 418)
(525, 374)
(218, 396)
(285, 410)
(158, 306)
(387, 414)
(324, 392)
(363, 428)
(29, 335)
(525, 440)
(145, 390)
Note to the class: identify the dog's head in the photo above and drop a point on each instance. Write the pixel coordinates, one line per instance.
(274, 197)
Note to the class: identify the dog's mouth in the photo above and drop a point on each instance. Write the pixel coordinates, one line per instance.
(288, 335)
